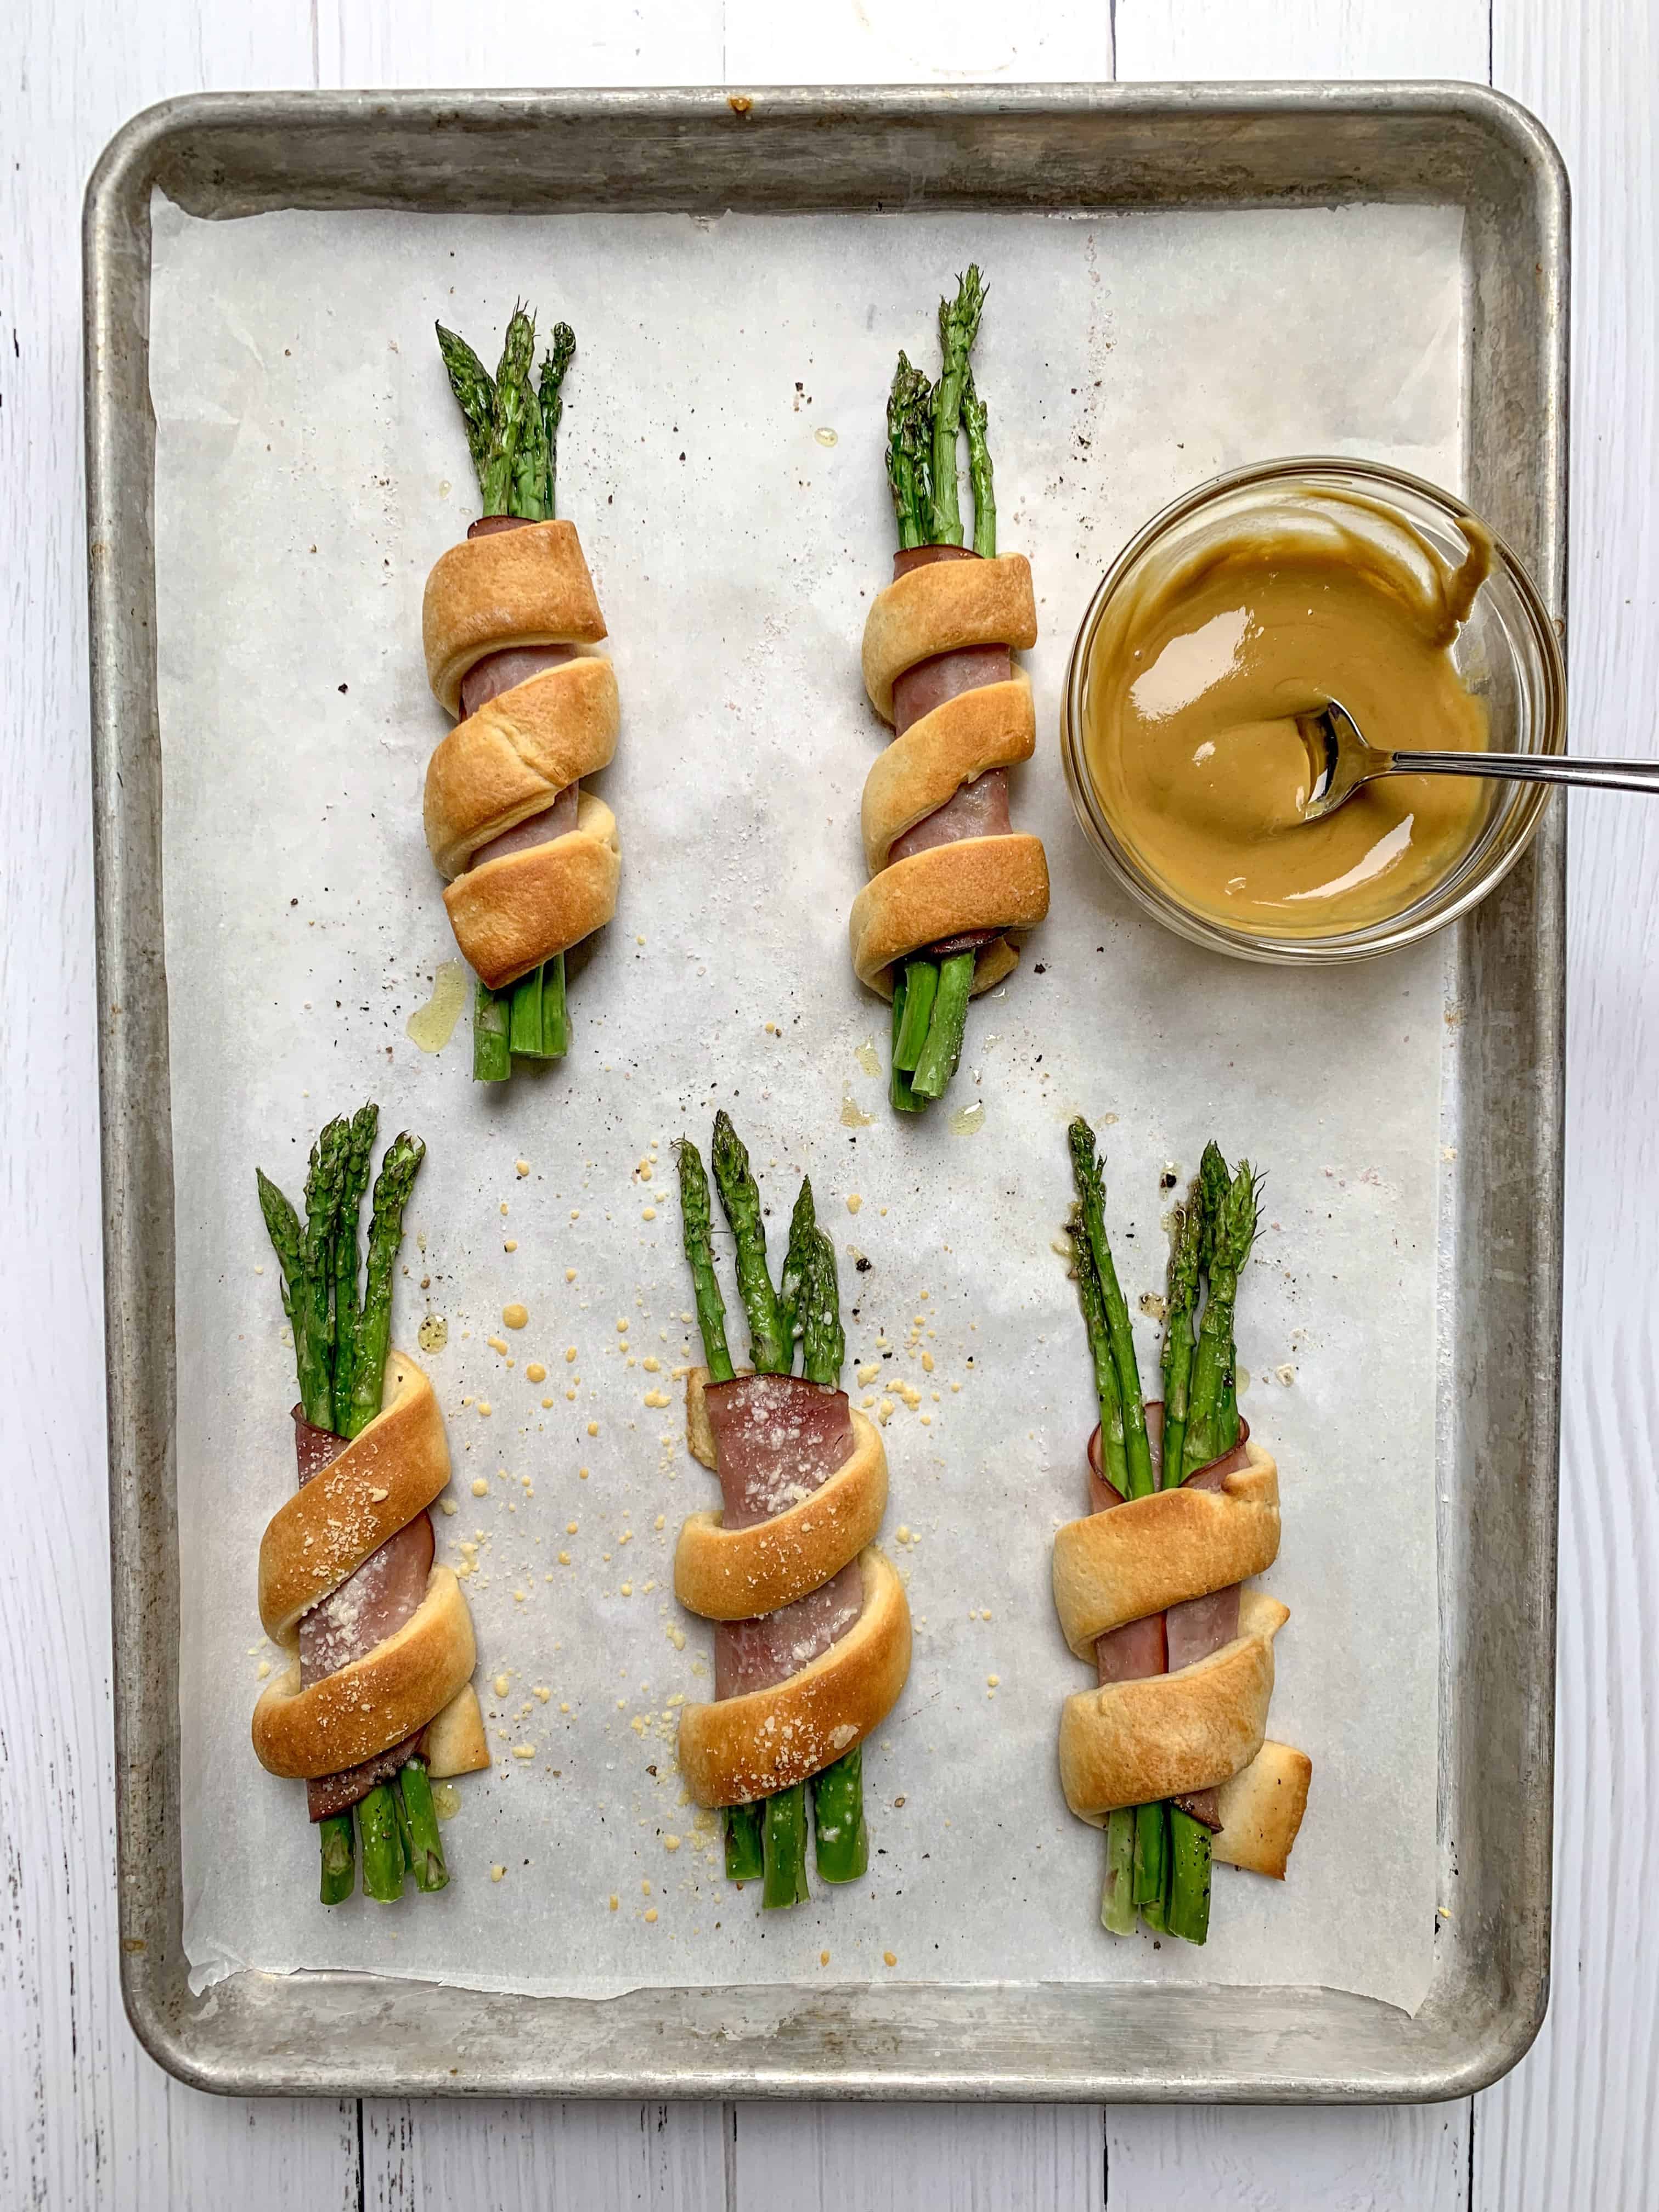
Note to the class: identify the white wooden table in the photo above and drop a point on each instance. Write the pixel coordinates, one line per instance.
(85, 2118)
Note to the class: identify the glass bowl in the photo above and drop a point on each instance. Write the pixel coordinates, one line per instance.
(1507, 654)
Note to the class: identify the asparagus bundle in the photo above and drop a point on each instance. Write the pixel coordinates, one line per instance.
(342, 1335)
(766, 1839)
(1158, 1856)
(512, 435)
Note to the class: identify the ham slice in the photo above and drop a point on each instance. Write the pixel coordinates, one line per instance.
(554, 821)
(931, 683)
(777, 1439)
(979, 809)
(368, 1607)
(514, 664)
(1187, 1632)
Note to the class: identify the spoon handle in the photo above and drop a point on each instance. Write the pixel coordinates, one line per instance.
(1534, 767)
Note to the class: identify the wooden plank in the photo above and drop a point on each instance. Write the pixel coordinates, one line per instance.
(1164, 39)
(430, 2157)
(1575, 2123)
(945, 2158)
(1239, 2158)
(898, 42)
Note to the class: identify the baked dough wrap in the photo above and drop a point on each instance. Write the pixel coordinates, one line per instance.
(418, 1677)
(394, 1690)
(1166, 1735)
(511, 913)
(736, 1750)
(1156, 1551)
(941, 608)
(1262, 1807)
(732, 1574)
(993, 726)
(513, 758)
(977, 883)
(509, 588)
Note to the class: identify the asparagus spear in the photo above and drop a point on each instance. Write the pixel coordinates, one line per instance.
(909, 453)
(797, 1258)
(1113, 1459)
(768, 1353)
(910, 1028)
(1190, 1229)
(475, 392)
(513, 399)
(903, 1097)
(937, 1062)
(426, 1843)
(550, 398)
(383, 1855)
(746, 1851)
(843, 1841)
(337, 1840)
(696, 1230)
(373, 1334)
(359, 1163)
(958, 326)
(1091, 1202)
(783, 1842)
(823, 1343)
(1117, 1896)
(1213, 1418)
(492, 1053)
(973, 414)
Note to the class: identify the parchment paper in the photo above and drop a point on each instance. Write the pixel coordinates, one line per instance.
(722, 454)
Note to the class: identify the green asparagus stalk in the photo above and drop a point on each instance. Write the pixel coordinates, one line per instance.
(958, 326)
(537, 1025)
(1114, 1457)
(475, 392)
(359, 1164)
(904, 1099)
(514, 400)
(797, 1260)
(1117, 1894)
(1150, 1854)
(921, 989)
(549, 394)
(943, 1049)
(492, 1053)
(532, 462)
(337, 1838)
(843, 1839)
(383, 1854)
(399, 1166)
(324, 1189)
(1212, 1420)
(1091, 1203)
(974, 415)
(426, 1846)
(909, 453)
(1187, 1904)
(697, 1233)
(824, 1344)
(770, 1353)
(1183, 1302)
(783, 1842)
(745, 1854)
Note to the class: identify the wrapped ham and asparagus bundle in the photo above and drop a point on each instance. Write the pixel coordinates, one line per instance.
(511, 624)
(1170, 1753)
(378, 1698)
(812, 1630)
(950, 877)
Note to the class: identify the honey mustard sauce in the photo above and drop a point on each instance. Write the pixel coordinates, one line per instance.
(1202, 662)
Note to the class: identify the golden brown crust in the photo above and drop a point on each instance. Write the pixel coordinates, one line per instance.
(738, 1749)
(347, 1716)
(1262, 1807)
(732, 1574)
(699, 1433)
(1110, 1568)
(1131, 1743)
(978, 883)
(386, 1475)
(513, 757)
(455, 1741)
(995, 726)
(512, 587)
(941, 607)
(511, 913)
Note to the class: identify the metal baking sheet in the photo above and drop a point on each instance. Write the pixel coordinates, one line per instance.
(1044, 151)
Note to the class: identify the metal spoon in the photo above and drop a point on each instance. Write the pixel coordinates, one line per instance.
(1341, 761)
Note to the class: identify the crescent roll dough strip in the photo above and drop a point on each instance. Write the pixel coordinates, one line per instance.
(739, 1750)
(513, 757)
(978, 883)
(1156, 1551)
(991, 727)
(511, 913)
(941, 608)
(1132, 1743)
(510, 588)
(1261, 1808)
(320, 1536)
(733, 1574)
(397, 1688)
